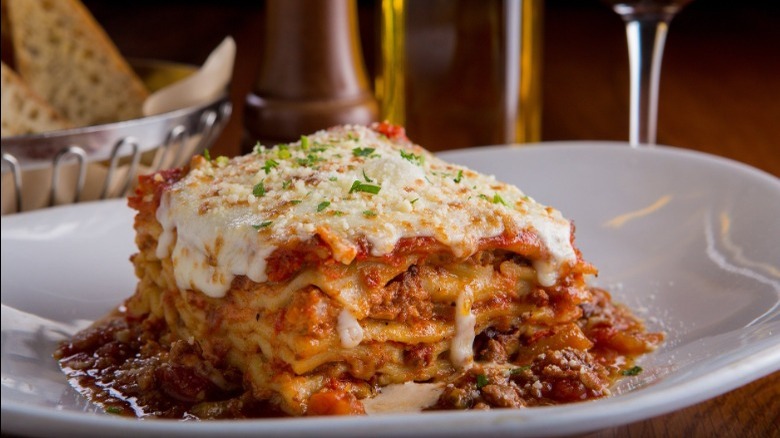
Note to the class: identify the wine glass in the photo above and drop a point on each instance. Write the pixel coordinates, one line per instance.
(647, 22)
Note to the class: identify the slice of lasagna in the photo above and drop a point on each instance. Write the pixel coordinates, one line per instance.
(306, 278)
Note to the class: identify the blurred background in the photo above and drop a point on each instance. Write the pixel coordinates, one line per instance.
(720, 86)
(719, 93)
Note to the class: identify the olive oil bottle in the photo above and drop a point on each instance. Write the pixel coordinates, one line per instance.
(461, 73)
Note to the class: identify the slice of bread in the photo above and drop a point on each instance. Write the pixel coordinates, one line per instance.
(6, 48)
(23, 111)
(66, 56)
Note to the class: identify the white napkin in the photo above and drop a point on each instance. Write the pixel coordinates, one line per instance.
(200, 87)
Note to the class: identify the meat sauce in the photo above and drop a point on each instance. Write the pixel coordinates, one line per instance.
(130, 368)
(134, 368)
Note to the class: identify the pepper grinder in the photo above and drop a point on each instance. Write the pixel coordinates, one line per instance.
(311, 75)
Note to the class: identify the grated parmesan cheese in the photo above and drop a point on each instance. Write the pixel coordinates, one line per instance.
(347, 184)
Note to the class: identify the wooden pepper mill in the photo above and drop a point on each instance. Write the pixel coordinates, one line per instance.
(311, 75)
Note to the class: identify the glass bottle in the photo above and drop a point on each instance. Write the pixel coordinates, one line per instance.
(460, 73)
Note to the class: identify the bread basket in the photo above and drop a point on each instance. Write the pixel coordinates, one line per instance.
(103, 161)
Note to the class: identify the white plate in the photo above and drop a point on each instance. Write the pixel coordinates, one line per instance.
(690, 240)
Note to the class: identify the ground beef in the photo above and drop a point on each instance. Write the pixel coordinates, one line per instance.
(126, 367)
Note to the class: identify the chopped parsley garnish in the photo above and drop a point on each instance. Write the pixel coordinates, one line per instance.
(459, 177)
(333, 178)
(369, 213)
(497, 199)
(633, 371)
(323, 205)
(414, 200)
(295, 201)
(318, 147)
(482, 381)
(362, 152)
(222, 160)
(270, 164)
(283, 152)
(206, 155)
(114, 410)
(412, 158)
(259, 148)
(366, 177)
(310, 160)
(262, 225)
(519, 370)
(358, 186)
(286, 184)
(258, 190)
(304, 142)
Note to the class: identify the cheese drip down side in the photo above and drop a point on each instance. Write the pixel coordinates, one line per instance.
(345, 185)
(461, 350)
(349, 330)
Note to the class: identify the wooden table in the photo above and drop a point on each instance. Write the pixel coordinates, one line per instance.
(720, 94)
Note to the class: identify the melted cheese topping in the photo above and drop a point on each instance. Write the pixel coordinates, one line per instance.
(346, 184)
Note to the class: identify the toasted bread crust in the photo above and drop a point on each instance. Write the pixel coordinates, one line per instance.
(66, 56)
(23, 110)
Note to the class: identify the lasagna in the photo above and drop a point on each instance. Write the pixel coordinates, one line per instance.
(319, 276)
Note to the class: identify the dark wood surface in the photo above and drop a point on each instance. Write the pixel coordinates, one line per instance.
(720, 94)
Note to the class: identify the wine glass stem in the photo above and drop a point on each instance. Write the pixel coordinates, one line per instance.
(646, 39)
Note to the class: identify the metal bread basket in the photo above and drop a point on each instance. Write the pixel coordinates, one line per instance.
(103, 161)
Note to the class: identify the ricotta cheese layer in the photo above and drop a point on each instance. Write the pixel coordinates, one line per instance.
(349, 185)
